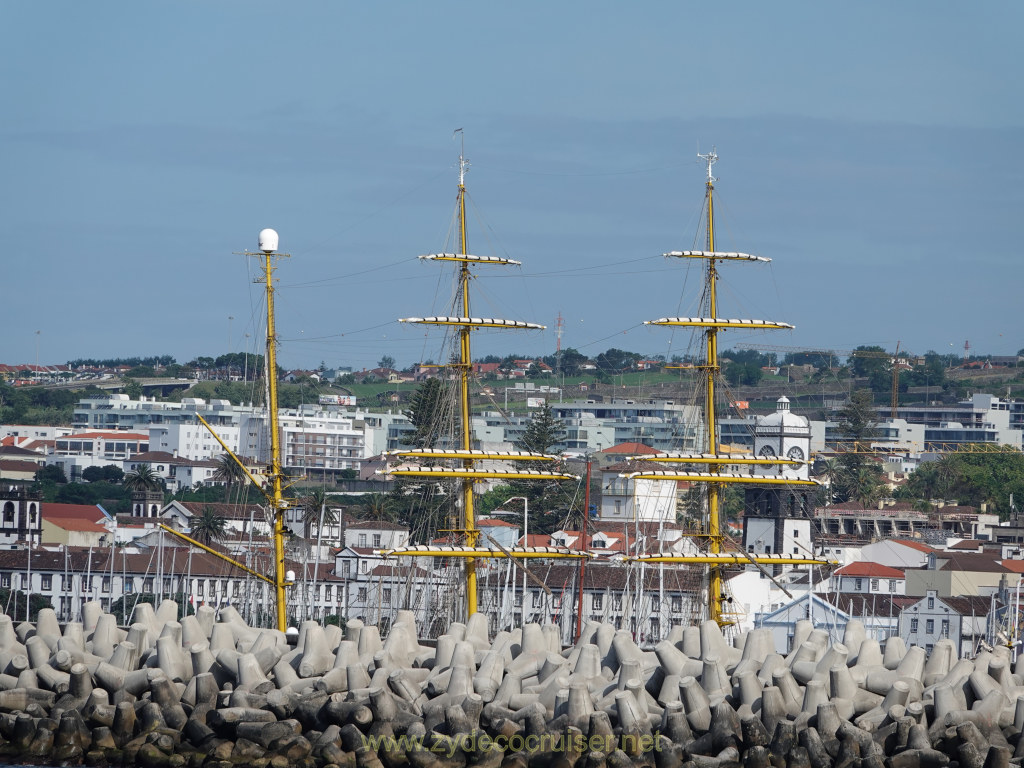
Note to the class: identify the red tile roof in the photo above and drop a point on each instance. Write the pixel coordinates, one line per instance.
(19, 466)
(871, 570)
(494, 522)
(971, 545)
(919, 546)
(630, 449)
(77, 524)
(54, 512)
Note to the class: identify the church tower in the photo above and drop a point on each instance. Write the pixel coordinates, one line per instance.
(777, 519)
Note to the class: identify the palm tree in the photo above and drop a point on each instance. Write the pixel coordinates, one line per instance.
(143, 478)
(228, 471)
(314, 504)
(378, 507)
(830, 472)
(208, 526)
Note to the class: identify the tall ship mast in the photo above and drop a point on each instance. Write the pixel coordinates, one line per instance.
(273, 491)
(467, 465)
(708, 468)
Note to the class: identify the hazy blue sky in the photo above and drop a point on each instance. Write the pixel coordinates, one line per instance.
(872, 150)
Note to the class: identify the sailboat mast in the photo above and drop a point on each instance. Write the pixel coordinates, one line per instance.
(276, 494)
(710, 416)
(465, 367)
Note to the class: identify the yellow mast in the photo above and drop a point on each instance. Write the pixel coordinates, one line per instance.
(465, 368)
(276, 497)
(715, 596)
(715, 478)
(468, 471)
(275, 494)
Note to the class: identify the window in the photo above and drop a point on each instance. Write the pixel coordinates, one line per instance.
(5, 580)
(47, 581)
(363, 566)
(376, 540)
(129, 585)
(518, 599)
(147, 585)
(945, 627)
(796, 534)
(931, 603)
(858, 584)
(617, 601)
(536, 596)
(677, 603)
(913, 625)
(929, 626)
(361, 595)
(362, 539)
(167, 584)
(385, 597)
(106, 583)
(874, 585)
(9, 512)
(597, 601)
(655, 627)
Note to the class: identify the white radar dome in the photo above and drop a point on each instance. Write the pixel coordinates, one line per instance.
(268, 240)
(289, 575)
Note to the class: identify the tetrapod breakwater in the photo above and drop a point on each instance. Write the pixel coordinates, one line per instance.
(209, 690)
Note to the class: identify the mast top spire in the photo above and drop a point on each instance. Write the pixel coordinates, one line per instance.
(710, 158)
(463, 163)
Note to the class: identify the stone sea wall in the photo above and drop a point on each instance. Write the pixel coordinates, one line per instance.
(211, 691)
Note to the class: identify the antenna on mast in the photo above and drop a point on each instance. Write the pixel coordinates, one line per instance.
(463, 163)
(710, 158)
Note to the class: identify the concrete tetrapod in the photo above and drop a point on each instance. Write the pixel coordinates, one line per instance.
(208, 689)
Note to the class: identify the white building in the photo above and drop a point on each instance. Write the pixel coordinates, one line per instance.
(869, 578)
(777, 519)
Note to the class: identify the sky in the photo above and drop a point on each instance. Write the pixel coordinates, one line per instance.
(873, 151)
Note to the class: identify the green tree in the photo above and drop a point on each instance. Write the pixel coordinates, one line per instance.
(386, 361)
(228, 471)
(208, 526)
(314, 504)
(546, 497)
(431, 411)
(991, 475)
(132, 388)
(110, 473)
(12, 602)
(743, 374)
(143, 478)
(52, 473)
(860, 478)
(616, 360)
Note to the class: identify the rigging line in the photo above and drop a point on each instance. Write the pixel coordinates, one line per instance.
(339, 335)
(381, 209)
(570, 273)
(634, 172)
(610, 336)
(573, 270)
(323, 280)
